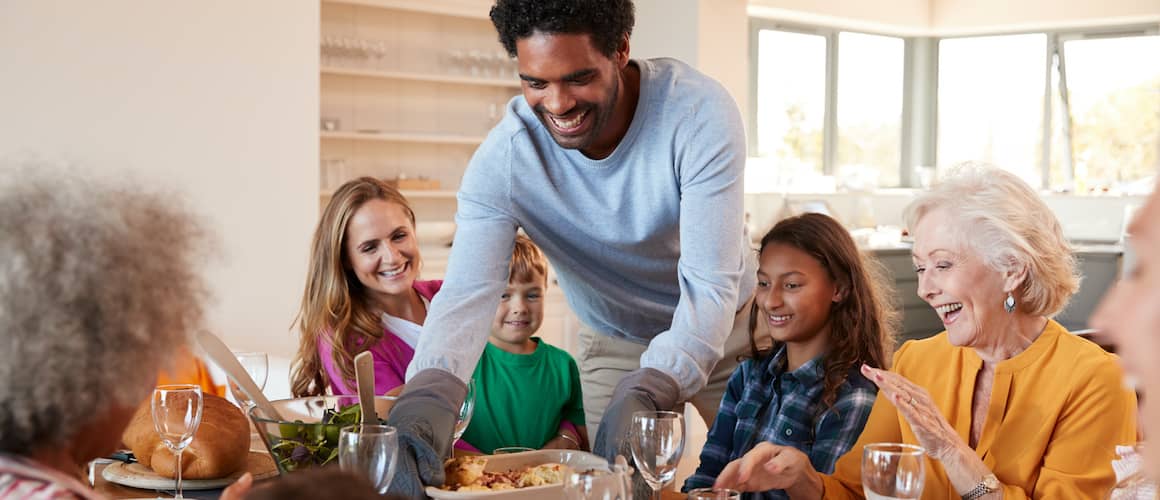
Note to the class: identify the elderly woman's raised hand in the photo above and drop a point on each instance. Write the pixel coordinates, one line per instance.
(772, 467)
(914, 403)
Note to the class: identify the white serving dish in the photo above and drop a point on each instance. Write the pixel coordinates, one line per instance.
(580, 460)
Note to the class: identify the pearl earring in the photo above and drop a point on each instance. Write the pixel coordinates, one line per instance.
(1009, 304)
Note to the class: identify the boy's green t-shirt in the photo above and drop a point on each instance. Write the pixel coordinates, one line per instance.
(521, 399)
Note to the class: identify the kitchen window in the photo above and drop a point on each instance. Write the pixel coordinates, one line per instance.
(826, 103)
(1071, 111)
(1106, 133)
(990, 102)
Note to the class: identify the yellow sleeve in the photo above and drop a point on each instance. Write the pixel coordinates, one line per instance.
(881, 427)
(1100, 414)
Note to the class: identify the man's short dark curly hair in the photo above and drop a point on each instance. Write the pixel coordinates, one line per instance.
(607, 21)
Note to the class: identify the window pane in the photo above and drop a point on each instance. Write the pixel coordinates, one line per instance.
(1113, 87)
(791, 100)
(990, 102)
(870, 72)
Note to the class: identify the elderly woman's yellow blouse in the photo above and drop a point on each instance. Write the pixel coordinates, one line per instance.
(1057, 411)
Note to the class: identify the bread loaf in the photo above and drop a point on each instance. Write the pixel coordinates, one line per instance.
(219, 447)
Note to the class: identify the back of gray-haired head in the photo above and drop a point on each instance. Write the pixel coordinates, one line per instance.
(1002, 220)
(100, 285)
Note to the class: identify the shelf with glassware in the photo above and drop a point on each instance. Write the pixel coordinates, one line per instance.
(411, 194)
(375, 135)
(407, 93)
(469, 9)
(421, 77)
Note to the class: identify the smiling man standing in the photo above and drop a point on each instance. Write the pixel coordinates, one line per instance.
(628, 174)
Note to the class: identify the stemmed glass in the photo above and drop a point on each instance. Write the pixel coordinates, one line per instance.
(257, 365)
(465, 411)
(599, 484)
(176, 416)
(892, 471)
(714, 494)
(657, 439)
(369, 450)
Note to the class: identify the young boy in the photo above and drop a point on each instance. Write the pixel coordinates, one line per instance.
(527, 392)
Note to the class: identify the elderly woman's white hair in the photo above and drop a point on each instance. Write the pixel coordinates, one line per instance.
(99, 287)
(1001, 219)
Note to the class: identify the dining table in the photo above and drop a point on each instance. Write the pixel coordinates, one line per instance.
(113, 490)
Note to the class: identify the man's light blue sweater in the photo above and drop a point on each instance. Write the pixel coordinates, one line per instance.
(647, 243)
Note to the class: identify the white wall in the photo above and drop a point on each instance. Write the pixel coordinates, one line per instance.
(710, 35)
(893, 16)
(973, 16)
(666, 28)
(957, 17)
(215, 97)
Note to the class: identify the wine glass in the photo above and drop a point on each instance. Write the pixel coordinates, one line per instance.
(465, 411)
(369, 450)
(892, 471)
(657, 439)
(176, 416)
(504, 450)
(714, 494)
(598, 484)
(257, 365)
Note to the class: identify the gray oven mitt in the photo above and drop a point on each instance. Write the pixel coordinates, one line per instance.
(424, 417)
(646, 389)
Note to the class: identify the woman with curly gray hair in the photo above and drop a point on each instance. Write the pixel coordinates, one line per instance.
(1005, 403)
(99, 287)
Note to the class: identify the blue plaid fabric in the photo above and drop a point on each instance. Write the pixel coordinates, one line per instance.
(763, 402)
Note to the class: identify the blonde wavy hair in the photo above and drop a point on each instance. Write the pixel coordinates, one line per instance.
(335, 307)
(527, 262)
(1010, 228)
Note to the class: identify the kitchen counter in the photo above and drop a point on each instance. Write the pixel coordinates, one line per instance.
(1098, 264)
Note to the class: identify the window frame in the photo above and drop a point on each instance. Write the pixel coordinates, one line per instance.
(919, 120)
(830, 113)
(1056, 62)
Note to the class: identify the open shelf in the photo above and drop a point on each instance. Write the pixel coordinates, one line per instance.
(445, 9)
(421, 77)
(412, 194)
(468, 140)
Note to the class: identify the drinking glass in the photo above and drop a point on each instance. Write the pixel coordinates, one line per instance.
(510, 449)
(257, 365)
(176, 416)
(892, 471)
(465, 411)
(657, 439)
(714, 494)
(599, 484)
(369, 450)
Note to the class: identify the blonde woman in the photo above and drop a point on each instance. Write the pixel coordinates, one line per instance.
(362, 291)
(1005, 402)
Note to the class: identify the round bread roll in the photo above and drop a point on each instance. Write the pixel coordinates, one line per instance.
(219, 447)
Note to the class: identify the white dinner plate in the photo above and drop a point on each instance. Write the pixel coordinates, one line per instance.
(512, 461)
(139, 476)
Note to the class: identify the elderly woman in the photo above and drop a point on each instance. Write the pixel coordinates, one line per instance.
(1130, 315)
(1006, 403)
(99, 288)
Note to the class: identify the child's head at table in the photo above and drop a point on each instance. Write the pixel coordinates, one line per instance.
(521, 307)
